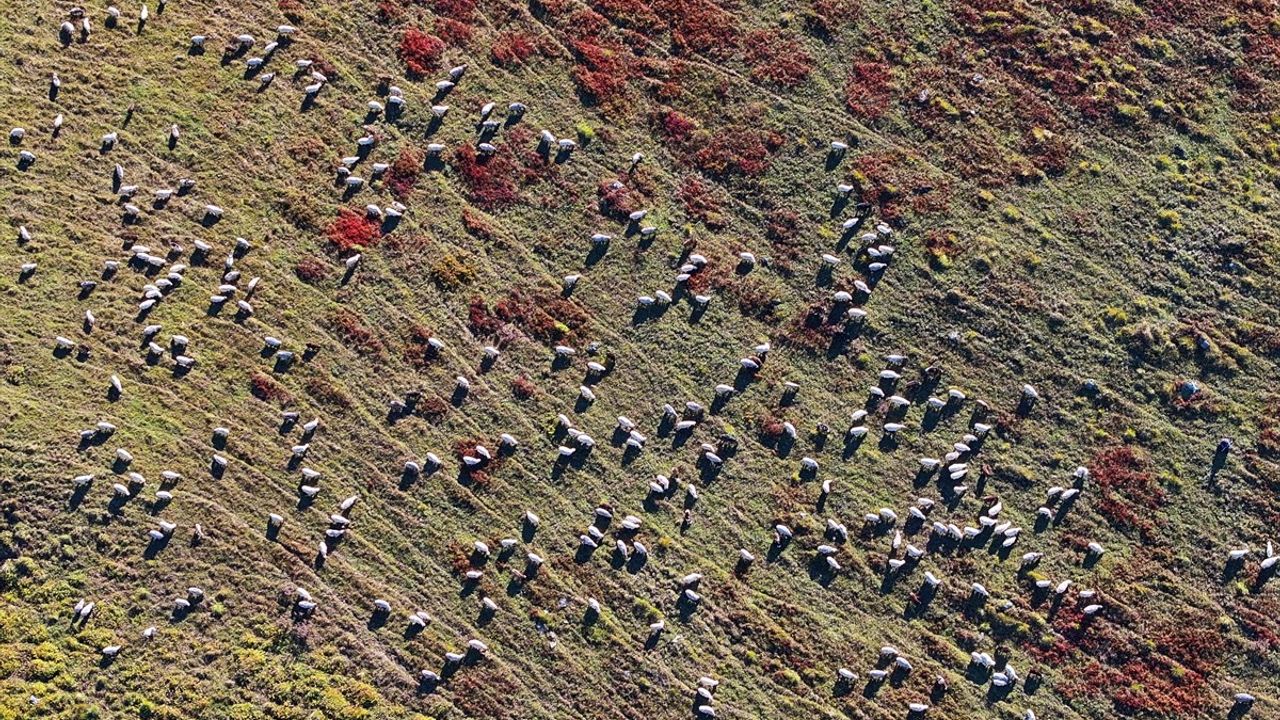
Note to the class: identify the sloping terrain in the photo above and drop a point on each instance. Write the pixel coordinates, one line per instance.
(1075, 196)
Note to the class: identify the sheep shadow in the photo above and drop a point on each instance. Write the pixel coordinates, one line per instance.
(155, 546)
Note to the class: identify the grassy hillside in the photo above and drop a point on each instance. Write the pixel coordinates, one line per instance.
(1079, 196)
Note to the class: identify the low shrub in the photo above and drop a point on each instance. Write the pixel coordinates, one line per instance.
(449, 271)
(312, 270)
(265, 388)
(353, 333)
(602, 72)
(488, 179)
(700, 203)
(512, 48)
(453, 33)
(462, 11)
(522, 387)
(420, 52)
(404, 172)
(868, 90)
(776, 58)
(352, 229)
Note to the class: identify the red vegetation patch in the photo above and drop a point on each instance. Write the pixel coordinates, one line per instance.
(743, 149)
(488, 178)
(291, 9)
(782, 228)
(777, 59)
(311, 270)
(267, 389)
(1154, 685)
(809, 331)
(630, 14)
(825, 17)
(1049, 151)
(602, 72)
(699, 27)
(941, 241)
(697, 197)
(420, 52)
(389, 12)
(523, 388)
(755, 300)
(512, 48)
(616, 199)
(586, 24)
(476, 224)
(736, 152)
(453, 33)
(1129, 491)
(768, 427)
(404, 172)
(676, 126)
(480, 319)
(460, 10)
(416, 350)
(353, 333)
(868, 90)
(896, 183)
(541, 315)
(352, 229)
(480, 475)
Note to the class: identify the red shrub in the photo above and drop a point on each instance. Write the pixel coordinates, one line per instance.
(755, 299)
(353, 333)
(696, 196)
(826, 17)
(544, 316)
(868, 90)
(1049, 151)
(676, 126)
(432, 409)
(735, 152)
(389, 11)
(631, 14)
(460, 10)
(616, 200)
(476, 224)
(311, 270)
(769, 428)
(522, 387)
(782, 228)
(291, 9)
(352, 229)
(777, 59)
(512, 48)
(1129, 491)
(265, 388)
(699, 26)
(417, 352)
(1152, 686)
(403, 173)
(602, 72)
(454, 33)
(480, 320)
(586, 24)
(809, 331)
(488, 178)
(420, 52)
